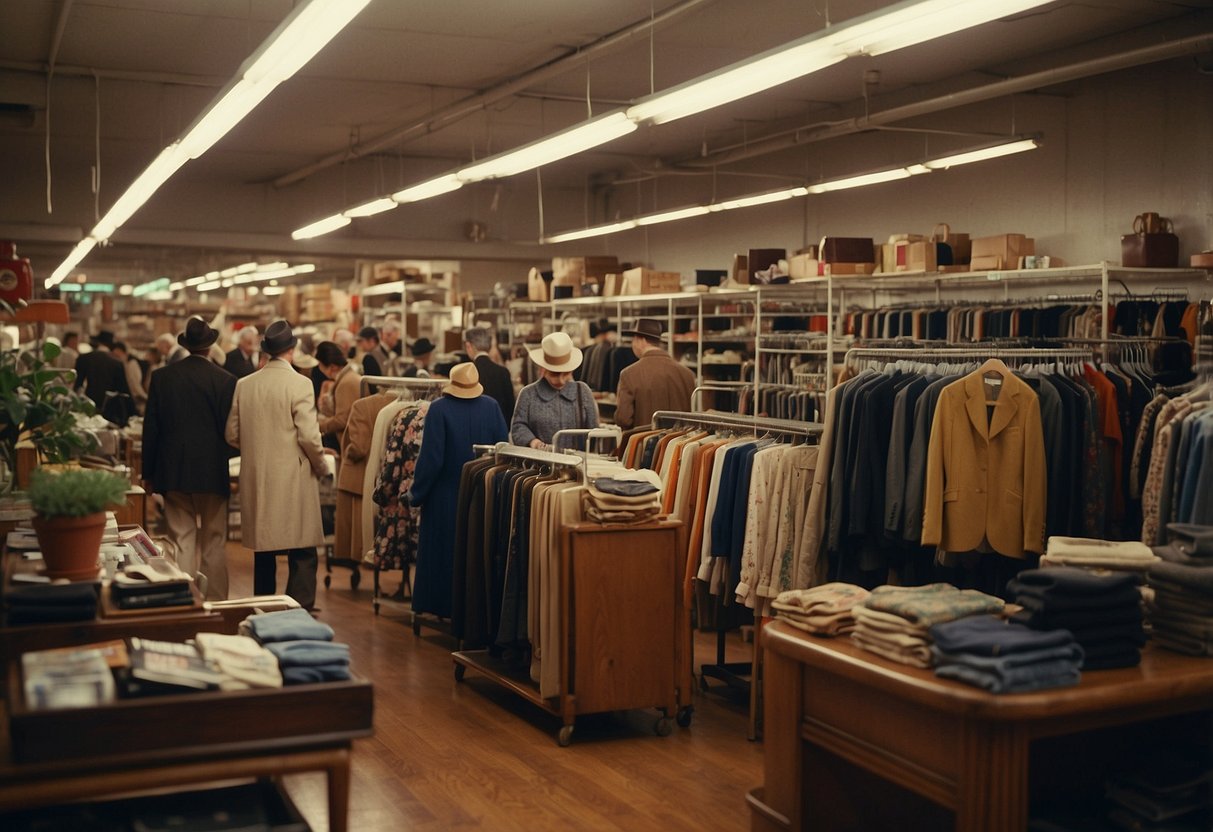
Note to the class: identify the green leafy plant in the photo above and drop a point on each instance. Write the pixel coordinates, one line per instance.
(75, 492)
(37, 402)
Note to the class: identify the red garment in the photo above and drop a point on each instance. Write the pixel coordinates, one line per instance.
(1108, 421)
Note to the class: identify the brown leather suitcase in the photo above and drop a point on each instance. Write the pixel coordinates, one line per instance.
(1151, 251)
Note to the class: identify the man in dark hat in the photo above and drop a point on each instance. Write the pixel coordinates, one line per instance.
(655, 382)
(243, 359)
(375, 359)
(103, 379)
(185, 456)
(422, 351)
(274, 424)
(477, 342)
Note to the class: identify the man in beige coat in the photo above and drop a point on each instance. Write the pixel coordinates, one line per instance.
(273, 421)
(655, 382)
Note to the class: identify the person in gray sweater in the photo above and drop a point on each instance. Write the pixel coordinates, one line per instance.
(555, 402)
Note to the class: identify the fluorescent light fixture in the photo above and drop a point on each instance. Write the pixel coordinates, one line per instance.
(245, 268)
(70, 287)
(323, 226)
(176, 287)
(369, 209)
(671, 216)
(157, 285)
(228, 282)
(273, 290)
(596, 231)
(558, 146)
(126, 289)
(981, 154)
(276, 273)
(194, 281)
(912, 23)
(431, 187)
(140, 191)
(99, 288)
(859, 181)
(73, 259)
(206, 287)
(273, 267)
(298, 38)
(758, 199)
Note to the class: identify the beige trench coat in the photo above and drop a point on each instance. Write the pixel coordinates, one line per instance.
(273, 423)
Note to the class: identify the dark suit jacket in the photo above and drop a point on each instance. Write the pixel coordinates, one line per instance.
(98, 373)
(497, 385)
(237, 364)
(183, 444)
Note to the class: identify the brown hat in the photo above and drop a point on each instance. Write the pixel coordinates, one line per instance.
(278, 338)
(198, 335)
(465, 381)
(557, 353)
(647, 327)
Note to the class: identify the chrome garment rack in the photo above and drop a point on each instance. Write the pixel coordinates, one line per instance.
(431, 385)
(1016, 354)
(731, 421)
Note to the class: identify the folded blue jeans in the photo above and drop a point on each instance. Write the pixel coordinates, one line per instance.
(989, 635)
(309, 653)
(288, 625)
(1039, 676)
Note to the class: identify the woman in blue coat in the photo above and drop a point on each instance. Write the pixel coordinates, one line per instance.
(453, 424)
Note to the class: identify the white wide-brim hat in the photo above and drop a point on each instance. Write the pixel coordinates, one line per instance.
(557, 353)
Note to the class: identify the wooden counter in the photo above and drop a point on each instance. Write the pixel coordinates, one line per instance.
(852, 739)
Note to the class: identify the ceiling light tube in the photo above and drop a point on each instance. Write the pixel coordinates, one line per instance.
(671, 216)
(298, 38)
(558, 146)
(206, 287)
(273, 290)
(981, 154)
(758, 199)
(369, 209)
(272, 267)
(320, 227)
(176, 287)
(913, 23)
(430, 188)
(862, 179)
(140, 191)
(596, 231)
(70, 262)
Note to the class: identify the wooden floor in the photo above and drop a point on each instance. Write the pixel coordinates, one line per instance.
(469, 755)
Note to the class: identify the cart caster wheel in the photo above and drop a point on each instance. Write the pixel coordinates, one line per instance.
(663, 726)
(328, 580)
(684, 716)
(355, 578)
(565, 736)
(459, 671)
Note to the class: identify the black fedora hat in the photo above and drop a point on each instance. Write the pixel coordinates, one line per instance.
(278, 338)
(198, 335)
(647, 327)
(422, 346)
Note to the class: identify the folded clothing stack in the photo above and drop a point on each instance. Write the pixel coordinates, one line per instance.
(1088, 553)
(893, 621)
(825, 610)
(1169, 791)
(303, 646)
(1003, 656)
(245, 662)
(1101, 611)
(1181, 610)
(623, 497)
(51, 602)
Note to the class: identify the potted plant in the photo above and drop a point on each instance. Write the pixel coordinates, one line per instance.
(69, 517)
(38, 404)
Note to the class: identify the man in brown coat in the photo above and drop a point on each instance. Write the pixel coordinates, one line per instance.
(655, 382)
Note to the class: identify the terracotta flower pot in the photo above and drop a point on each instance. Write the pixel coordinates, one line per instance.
(70, 545)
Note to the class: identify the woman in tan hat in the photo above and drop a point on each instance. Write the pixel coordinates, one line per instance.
(453, 424)
(555, 402)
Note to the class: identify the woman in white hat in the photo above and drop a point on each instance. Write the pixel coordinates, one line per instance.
(555, 402)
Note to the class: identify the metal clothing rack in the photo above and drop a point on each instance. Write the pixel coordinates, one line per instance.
(428, 384)
(975, 352)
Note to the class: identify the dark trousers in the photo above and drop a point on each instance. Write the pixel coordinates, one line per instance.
(301, 577)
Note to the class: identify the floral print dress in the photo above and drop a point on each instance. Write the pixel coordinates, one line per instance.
(397, 523)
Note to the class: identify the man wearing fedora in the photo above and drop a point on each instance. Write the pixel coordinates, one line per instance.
(477, 341)
(422, 351)
(556, 402)
(185, 456)
(274, 424)
(103, 379)
(655, 382)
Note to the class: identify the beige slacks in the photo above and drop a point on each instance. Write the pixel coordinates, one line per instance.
(197, 524)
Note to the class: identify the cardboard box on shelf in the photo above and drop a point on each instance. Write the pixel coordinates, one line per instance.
(741, 269)
(847, 250)
(1001, 251)
(761, 259)
(574, 270)
(802, 266)
(649, 282)
(850, 268)
(962, 247)
(914, 256)
(612, 285)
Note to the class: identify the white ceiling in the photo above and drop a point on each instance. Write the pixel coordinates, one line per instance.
(131, 74)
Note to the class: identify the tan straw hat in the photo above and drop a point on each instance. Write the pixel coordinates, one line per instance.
(557, 353)
(465, 381)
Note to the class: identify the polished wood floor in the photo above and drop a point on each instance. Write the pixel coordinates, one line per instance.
(469, 755)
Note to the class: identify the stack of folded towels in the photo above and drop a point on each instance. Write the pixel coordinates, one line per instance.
(625, 496)
(826, 610)
(893, 621)
(1101, 611)
(1004, 657)
(303, 646)
(1171, 790)
(244, 663)
(1181, 612)
(1088, 553)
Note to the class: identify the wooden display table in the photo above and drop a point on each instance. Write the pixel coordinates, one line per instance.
(853, 740)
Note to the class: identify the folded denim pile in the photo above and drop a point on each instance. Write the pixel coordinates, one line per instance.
(893, 621)
(303, 646)
(1170, 791)
(1102, 611)
(1181, 610)
(51, 602)
(625, 497)
(826, 610)
(1088, 553)
(1003, 656)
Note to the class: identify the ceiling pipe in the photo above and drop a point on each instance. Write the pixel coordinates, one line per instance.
(785, 140)
(475, 103)
(57, 39)
(116, 74)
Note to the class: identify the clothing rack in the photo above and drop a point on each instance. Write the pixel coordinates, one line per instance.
(737, 675)
(427, 384)
(931, 353)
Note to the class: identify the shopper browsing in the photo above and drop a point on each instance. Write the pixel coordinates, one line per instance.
(556, 402)
(477, 342)
(375, 359)
(422, 351)
(185, 456)
(655, 382)
(273, 423)
(244, 360)
(335, 403)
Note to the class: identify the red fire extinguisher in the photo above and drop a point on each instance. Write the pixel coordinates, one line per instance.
(16, 276)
